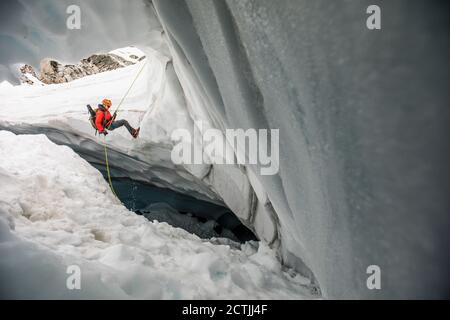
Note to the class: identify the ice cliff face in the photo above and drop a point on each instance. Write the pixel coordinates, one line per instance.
(362, 117)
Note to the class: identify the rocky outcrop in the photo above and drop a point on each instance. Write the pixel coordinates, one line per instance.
(27, 75)
(52, 71)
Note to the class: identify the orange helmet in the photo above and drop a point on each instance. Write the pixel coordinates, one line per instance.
(107, 103)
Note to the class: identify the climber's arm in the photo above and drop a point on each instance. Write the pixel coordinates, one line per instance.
(99, 121)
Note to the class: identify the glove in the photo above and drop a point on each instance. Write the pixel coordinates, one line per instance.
(114, 117)
(104, 132)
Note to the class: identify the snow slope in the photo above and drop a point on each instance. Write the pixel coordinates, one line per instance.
(56, 210)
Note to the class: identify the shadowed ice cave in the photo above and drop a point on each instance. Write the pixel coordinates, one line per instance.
(205, 219)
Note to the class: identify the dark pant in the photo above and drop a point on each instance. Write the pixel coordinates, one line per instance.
(120, 123)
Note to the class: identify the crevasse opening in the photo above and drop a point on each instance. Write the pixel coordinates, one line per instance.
(200, 217)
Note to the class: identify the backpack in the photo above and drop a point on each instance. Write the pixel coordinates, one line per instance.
(92, 116)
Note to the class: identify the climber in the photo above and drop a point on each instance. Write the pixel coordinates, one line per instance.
(104, 121)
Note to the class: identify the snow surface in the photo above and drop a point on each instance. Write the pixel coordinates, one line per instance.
(33, 79)
(57, 210)
(131, 54)
(5, 85)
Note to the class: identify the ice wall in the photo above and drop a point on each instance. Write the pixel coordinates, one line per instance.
(363, 124)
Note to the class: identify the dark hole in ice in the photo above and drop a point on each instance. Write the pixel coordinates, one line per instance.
(203, 218)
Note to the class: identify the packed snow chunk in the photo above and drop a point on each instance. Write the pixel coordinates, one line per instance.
(5, 86)
(131, 54)
(57, 211)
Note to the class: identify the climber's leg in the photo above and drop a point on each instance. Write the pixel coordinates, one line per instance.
(120, 123)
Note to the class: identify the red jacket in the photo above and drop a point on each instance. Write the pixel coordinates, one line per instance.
(102, 118)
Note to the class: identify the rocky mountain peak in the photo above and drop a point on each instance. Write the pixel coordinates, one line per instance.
(52, 71)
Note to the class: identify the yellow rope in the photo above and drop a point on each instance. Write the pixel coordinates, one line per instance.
(129, 89)
(106, 149)
(107, 170)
